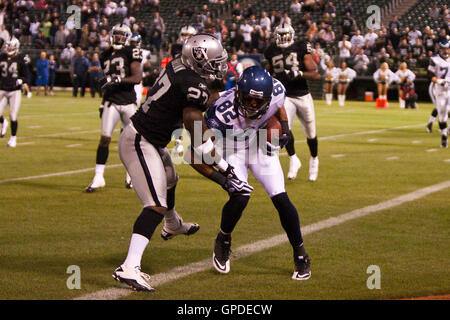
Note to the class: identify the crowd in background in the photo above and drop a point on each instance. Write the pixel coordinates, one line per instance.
(44, 25)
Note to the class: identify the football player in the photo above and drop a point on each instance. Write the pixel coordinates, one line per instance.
(438, 72)
(243, 111)
(178, 97)
(185, 33)
(345, 75)
(13, 74)
(136, 41)
(291, 63)
(121, 66)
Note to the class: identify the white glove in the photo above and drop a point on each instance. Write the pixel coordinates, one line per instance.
(179, 147)
(441, 81)
(29, 94)
(19, 82)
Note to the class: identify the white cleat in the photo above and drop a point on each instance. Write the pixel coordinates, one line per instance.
(12, 142)
(294, 166)
(4, 127)
(186, 228)
(97, 182)
(313, 168)
(133, 277)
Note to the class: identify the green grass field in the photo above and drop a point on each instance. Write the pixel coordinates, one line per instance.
(367, 156)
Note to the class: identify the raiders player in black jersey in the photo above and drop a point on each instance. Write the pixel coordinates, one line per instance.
(13, 74)
(178, 97)
(291, 63)
(121, 66)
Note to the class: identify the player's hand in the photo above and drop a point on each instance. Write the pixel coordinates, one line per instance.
(293, 73)
(29, 94)
(441, 81)
(179, 147)
(109, 81)
(271, 148)
(283, 140)
(19, 82)
(233, 184)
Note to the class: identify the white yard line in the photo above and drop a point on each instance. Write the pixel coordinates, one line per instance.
(249, 249)
(56, 174)
(74, 145)
(32, 116)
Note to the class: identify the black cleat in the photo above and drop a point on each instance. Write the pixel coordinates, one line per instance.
(302, 269)
(444, 142)
(221, 254)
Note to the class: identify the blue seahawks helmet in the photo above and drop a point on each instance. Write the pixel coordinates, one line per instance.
(444, 46)
(253, 92)
(136, 40)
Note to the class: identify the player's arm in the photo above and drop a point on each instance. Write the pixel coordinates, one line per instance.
(136, 74)
(310, 68)
(432, 72)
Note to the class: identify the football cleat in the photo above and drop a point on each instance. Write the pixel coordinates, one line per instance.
(313, 168)
(4, 127)
(12, 142)
(221, 254)
(186, 228)
(302, 269)
(429, 127)
(133, 277)
(294, 166)
(97, 182)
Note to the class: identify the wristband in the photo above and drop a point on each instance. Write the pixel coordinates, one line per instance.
(222, 165)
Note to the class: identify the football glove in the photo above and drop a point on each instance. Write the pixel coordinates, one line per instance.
(272, 148)
(179, 147)
(29, 94)
(233, 184)
(109, 81)
(19, 82)
(293, 73)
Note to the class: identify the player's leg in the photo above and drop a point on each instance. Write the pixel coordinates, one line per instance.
(328, 92)
(306, 114)
(126, 112)
(442, 106)
(138, 88)
(143, 161)
(269, 173)
(3, 121)
(434, 113)
(110, 118)
(294, 161)
(173, 222)
(231, 213)
(15, 98)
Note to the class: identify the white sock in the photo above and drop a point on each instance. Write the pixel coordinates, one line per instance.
(341, 99)
(171, 219)
(432, 119)
(99, 169)
(128, 178)
(136, 250)
(328, 97)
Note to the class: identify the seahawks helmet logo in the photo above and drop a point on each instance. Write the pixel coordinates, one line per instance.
(199, 53)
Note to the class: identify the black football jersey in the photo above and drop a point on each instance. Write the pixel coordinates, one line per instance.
(161, 113)
(11, 69)
(117, 63)
(281, 59)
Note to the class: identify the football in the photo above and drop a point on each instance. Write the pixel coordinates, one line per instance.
(273, 128)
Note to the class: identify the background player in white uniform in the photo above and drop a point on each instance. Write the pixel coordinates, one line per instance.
(406, 78)
(438, 72)
(345, 75)
(136, 41)
(383, 78)
(291, 63)
(330, 76)
(239, 114)
(14, 71)
(121, 66)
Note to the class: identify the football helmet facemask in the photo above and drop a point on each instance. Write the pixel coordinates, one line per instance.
(120, 36)
(136, 40)
(12, 47)
(253, 92)
(284, 35)
(444, 46)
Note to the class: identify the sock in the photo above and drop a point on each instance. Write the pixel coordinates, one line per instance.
(290, 147)
(432, 118)
(102, 155)
(313, 146)
(14, 126)
(232, 211)
(443, 127)
(138, 243)
(99, 169)
(299, 251)
(1, 119)
(402, 103)
(328, 97)
(288, 218)
(434, 114)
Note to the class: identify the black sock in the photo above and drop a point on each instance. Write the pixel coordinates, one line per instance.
(171, 198)
(147, 222)
(434, 113)
(289, 218)
(232, 211)
(102, 155)
(290, 147)
(1, 119)
(14, 126)
(313, 146)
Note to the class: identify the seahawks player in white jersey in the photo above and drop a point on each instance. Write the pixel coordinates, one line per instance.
(438, 72)
(237, 116)
(136, 40)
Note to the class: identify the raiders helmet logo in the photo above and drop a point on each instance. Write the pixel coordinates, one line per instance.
(199, 53)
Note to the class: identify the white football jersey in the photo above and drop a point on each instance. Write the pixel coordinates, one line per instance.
(349, 74)
(407, 74)
(224, 116)
(440, 68)
(146, 55)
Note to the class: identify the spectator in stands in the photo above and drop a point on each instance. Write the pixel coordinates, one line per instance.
(442, 35)
(53, 29)
(26, 33)
(275, 18)
(345, 48)
(45, 27)
(247, 33)
(94, 75)
(435, 12)
(41, 4)
(84, 38)
(237, 12)
(109, 7)
(395, 23)
(122, 10)
(78, 72)
(368, 49)
(158, 22)
(413, 35)
(4, 34)
(42, 73)
(349, 9)
(296, 7)
(357, 40)
(52, 67)
(238, 41)
(371, 36)
(265, 21)
(286, 19)
(326, 35)
(360, 61)
(404, 48)
(72, 37)
(347, 23)
(418, 49)
(67, 55)
(394, 38)
(34, 28)
(249, 11)
(330, 9)
(104, 39)
(93, 37)
(40, 42)
(156, 39)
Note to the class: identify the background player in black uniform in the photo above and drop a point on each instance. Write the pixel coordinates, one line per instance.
(179, 96)
(291, 63)
(13, 74)
(121, 66)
